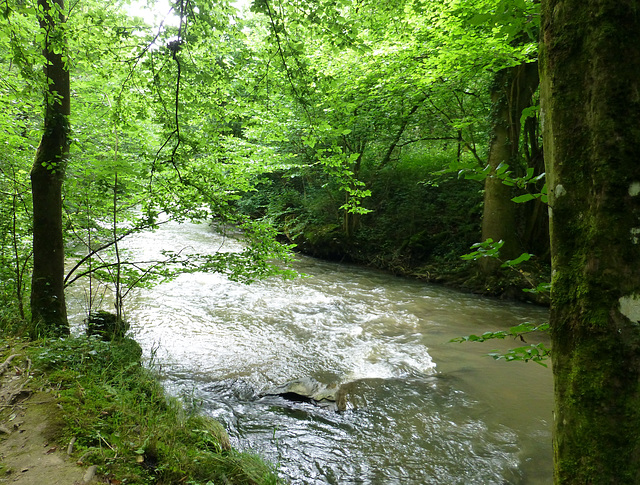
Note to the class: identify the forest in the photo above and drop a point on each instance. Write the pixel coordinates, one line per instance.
(487, 145)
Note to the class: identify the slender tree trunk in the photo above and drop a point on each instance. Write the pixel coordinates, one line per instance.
(511, 94)
(590, 89)
(48, 308)
(396, 139)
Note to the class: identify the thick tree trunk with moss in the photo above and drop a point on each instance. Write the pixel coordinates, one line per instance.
(48, 308)
(590, 87)
(511, 93)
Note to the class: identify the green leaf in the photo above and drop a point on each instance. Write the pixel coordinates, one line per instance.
(502, 168)
(514, 262)
(544, 198)
(524, 198)
(529, 112)
(484, 249)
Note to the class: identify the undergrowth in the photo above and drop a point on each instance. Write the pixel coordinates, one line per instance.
(123, 422)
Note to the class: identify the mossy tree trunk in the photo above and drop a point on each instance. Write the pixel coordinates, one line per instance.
(48, 308)
(511, 93)
(590, 89)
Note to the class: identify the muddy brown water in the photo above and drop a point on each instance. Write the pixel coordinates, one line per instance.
(422, 410)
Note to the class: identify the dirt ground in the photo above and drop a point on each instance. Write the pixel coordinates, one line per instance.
(30, 421)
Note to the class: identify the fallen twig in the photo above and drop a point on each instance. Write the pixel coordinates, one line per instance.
(70, 447)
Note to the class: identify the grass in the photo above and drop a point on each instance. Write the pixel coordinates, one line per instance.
(123, 422)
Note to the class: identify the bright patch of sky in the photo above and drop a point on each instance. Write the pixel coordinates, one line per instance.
(153, 13)
(162, 11)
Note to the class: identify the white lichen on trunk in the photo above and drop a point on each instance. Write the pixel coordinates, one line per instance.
(630, 307)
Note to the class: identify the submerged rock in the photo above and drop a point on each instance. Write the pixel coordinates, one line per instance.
(307, 389)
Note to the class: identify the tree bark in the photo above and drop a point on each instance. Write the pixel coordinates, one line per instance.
(590, 90)
(48, 308)
(511, 93)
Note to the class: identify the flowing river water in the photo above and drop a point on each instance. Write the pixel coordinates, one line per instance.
(421, 410)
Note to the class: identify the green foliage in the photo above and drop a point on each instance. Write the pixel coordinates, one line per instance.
(502, 172)
(186, 129)
(537, 353)
(15, 241)
(412, 212)
(335, 125)
(489, 249)
(86, 355)
(544, 287)
(18, 138)
(355, 109)
(510, 263)
(534, 352)
(418, 217)
(484, 249)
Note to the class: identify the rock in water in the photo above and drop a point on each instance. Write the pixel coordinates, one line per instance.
(306, 389)
(341, 397)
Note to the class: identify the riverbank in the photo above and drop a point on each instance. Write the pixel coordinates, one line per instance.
(525, 282)
(409, 227)
(80, 410)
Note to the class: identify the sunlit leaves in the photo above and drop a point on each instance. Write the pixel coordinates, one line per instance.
(537, 353)
(484, 249)
(319, 88)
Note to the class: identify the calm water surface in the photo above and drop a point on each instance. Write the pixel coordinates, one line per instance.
(422, 410)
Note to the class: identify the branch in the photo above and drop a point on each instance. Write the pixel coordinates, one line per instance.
(136, 264)
(175, 50)
(92, 252)
(403, 126)
(284, 62)
(471, 148)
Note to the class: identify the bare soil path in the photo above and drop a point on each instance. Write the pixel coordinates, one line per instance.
(30, 423)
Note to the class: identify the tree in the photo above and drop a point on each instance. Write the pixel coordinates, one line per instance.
(415, 88)
(514, 25)
(590, 71)
(511, 93)
(154, 131)
(48, 308)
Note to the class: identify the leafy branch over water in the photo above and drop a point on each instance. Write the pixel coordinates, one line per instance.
(537, 353)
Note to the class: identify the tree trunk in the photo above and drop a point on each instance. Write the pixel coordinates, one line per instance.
(590, 89)
(48, 308)
(511, 94)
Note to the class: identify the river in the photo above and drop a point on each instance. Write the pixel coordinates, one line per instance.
(421, 410)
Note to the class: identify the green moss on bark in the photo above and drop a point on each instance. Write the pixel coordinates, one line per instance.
(590, 68)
